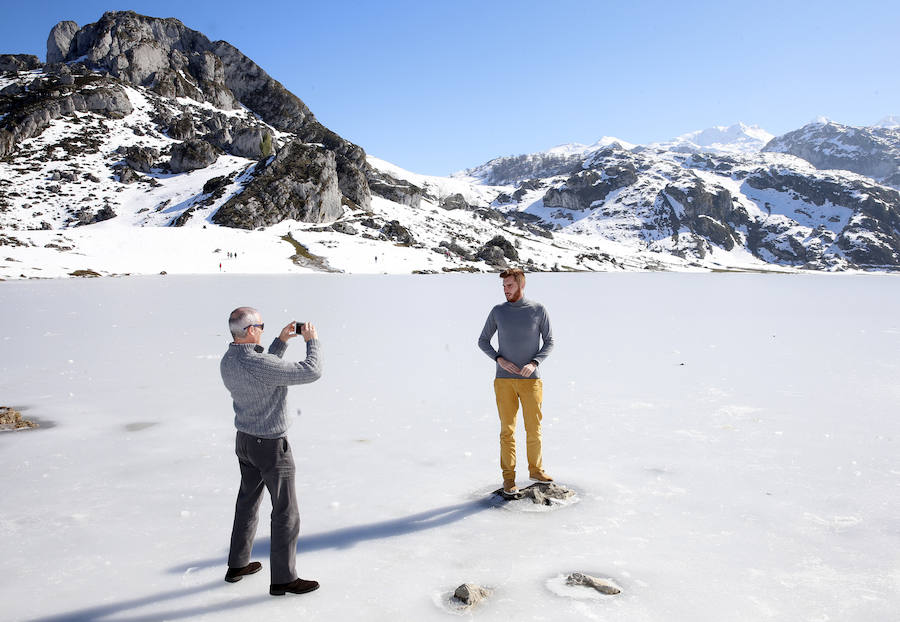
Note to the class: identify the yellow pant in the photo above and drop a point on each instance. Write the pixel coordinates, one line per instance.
(509, 392)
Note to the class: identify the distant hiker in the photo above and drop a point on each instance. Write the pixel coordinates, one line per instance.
(258, 383)
(220, 266)
(521, 326)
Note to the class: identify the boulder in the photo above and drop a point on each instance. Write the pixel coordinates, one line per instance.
(192, 155)
(454, 201)
(458, 250)
(141, 158)
(345, 228)
(469, 594)
(397, 232)
(181, 128)
(604, 586)
(493, 256)
(498, 244)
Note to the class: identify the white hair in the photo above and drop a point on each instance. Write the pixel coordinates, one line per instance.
(240, 319)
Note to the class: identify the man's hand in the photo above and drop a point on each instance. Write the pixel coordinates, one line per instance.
(509, 366)
(309, 331)
(528, 370)
(287, 332)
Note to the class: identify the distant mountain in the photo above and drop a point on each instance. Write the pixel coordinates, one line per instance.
(559, 160)
(890, 121)
(870, 151)
(737, 138)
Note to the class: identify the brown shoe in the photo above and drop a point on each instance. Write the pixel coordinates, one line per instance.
(297, 586)
(509, 486)
(236, 574)
(540, 476)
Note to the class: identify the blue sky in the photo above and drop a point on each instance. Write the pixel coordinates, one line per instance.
(438, 86)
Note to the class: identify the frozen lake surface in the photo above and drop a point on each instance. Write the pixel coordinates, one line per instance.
(733, 440)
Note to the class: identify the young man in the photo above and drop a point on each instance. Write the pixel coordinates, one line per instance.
(258, 384)
(524, 341)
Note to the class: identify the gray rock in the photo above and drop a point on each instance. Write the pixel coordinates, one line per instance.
(601, 585)
(870, 151)
(393, 189)
(469, 595)
(141, 158)
(454, 201)
(395, 231)
(585, 187)
(540, 493)
(26, 120)
(60, 41)
(496, 251)
(345, 228)
(456, 249)
(19, 62)
(299, 183)
(192, 155)
(252, 142)
(181, 128)
(493, 256)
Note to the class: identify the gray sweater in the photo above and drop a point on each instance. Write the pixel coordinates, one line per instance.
(258, 383)
(520, 326)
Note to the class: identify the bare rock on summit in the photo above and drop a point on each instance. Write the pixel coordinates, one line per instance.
(60, 40)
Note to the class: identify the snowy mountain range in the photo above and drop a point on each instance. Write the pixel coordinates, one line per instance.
(141, 146)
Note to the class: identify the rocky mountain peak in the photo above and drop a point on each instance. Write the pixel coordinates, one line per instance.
(870, 151)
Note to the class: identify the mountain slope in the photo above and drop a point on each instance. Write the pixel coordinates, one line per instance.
(140, 123)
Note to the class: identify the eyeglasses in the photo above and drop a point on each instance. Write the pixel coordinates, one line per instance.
(259, 326)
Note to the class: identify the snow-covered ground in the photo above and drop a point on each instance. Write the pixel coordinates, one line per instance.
(732, 438)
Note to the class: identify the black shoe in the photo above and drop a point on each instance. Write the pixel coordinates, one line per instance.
(297, 586)
(236, 574)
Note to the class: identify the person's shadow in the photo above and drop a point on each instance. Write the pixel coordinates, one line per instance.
(338, 539)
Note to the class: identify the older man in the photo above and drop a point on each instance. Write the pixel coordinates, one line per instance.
(524, 341)
(258, 382)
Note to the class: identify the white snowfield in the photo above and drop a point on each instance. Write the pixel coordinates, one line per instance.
(732, 440)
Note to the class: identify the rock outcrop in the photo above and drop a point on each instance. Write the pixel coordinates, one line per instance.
(18, 62)
(870, 151)
(29, 111)
(300, 183)
(175, 61)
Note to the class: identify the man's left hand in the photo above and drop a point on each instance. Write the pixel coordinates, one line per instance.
(528, 370)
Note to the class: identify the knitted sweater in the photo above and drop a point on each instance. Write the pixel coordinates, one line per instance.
(521, 326)
(258, 383)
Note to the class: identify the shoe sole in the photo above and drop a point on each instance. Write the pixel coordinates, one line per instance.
(283, 592)
(541, 481)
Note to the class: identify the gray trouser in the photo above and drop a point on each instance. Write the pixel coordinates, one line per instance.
(266, 462)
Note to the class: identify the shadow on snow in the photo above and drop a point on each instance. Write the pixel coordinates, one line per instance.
(338, 539)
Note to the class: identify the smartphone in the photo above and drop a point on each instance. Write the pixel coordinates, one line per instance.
(299, 326)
